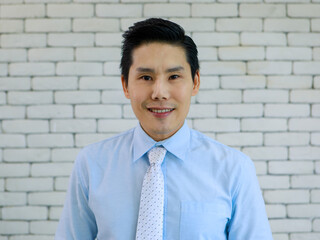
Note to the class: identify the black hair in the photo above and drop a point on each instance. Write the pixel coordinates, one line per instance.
(157, 30)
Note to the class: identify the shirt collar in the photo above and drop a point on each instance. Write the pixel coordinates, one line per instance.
(178, 144)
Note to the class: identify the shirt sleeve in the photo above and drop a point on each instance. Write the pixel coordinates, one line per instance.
(77, 220)
(249, 219)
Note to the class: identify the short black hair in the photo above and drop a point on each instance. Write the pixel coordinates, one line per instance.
(156, 30)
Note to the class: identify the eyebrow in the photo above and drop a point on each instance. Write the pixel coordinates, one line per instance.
(169, 70)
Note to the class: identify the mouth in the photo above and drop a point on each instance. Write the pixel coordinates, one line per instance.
(162, 110)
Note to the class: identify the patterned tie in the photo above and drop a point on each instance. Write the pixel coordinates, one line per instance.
(150, 221)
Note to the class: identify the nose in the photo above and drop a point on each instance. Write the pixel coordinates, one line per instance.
(160, 90)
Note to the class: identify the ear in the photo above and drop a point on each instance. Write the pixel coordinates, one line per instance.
(196, 83)
(125, 87)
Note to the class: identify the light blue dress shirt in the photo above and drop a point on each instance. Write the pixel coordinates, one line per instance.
(211, 190)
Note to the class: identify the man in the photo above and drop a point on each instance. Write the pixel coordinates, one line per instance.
(162, 180)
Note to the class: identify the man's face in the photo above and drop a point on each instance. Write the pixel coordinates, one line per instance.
(160, 87)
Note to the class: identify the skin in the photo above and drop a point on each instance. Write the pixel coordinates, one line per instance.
(160, 87)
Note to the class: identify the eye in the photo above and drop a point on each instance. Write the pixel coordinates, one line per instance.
(146, 78)
(172, 77)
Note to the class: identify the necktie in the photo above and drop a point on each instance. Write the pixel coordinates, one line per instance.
(150, 221)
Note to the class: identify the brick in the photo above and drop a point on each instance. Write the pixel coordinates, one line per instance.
(61, 184)
(125, 23)
(305, 236)
(86, 139)
(98, 54)
(13, 199)
(308, 68)
(216, 39)
(112, 97)
(32, 237)
(219, 96)
(286, 196)
(316, 53)
(304, 124)
(217, 125)
(25, 126)
(241, 53)
(23, 40)
(214, 10)
(304, 153)
(209, 82)
(286, 139)
(317, 82)
(50, 54)
(12, 140)
(46, 1)
(79, 68)
(305, 181)
(11, 26)
(96, 25)
(24, 213)
(48, 25)
(12, 112)
(315, 138)
(111, 68)
(64, 154)
(201, 111)
(119, 10)
(11, 1)
(22, 11)
(74, 97)
(54, 83)
(108, 39)
(13, 55)
(14, 227)
(33, 69)
(26, 155)
(3, 98)
(240, 139)
(316, 110)
(240, 110)
(266, 153)
(70, 39)
(239, 25)
(304, 39)
(128, 112)
(274, 182)
(46, 198)
(14, 170)
(262, 10)
(318, 167)
(50, 140)
(276, 211)
(289, 82)
(303, 211)
(270, 67)
(290, 225)
(315, 25)
(195, 24)
(261, 168)
(266, 96)
(264, 124)
(315, 196)
(223, 68)
(70, 10)
(263, 39)
(30, 97)
(243, 82)
(304, 10)
(290, 167)
(73, 125)
(167, 10)
(43, 227)
(51, 169)
(3, 69)
(289, 53)
(98, 111)
(316, 224)
(55, 212)
(286, 25)
(286, 110)
(207, 53)
(50, 111)
(114, 126)
(305, 96)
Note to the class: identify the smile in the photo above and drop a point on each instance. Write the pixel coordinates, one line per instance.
(160, 110)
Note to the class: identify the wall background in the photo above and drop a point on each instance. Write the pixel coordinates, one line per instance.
(60, 90)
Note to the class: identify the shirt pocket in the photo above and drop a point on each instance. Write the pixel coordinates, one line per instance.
(203, 220)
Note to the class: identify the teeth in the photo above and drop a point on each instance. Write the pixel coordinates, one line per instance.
(160, 110)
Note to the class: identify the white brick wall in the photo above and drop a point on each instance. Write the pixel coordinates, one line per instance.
(60, 89)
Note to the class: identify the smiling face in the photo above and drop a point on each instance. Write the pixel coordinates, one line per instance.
(160, 87)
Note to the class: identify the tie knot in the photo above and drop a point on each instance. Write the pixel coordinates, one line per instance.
(156, 155)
